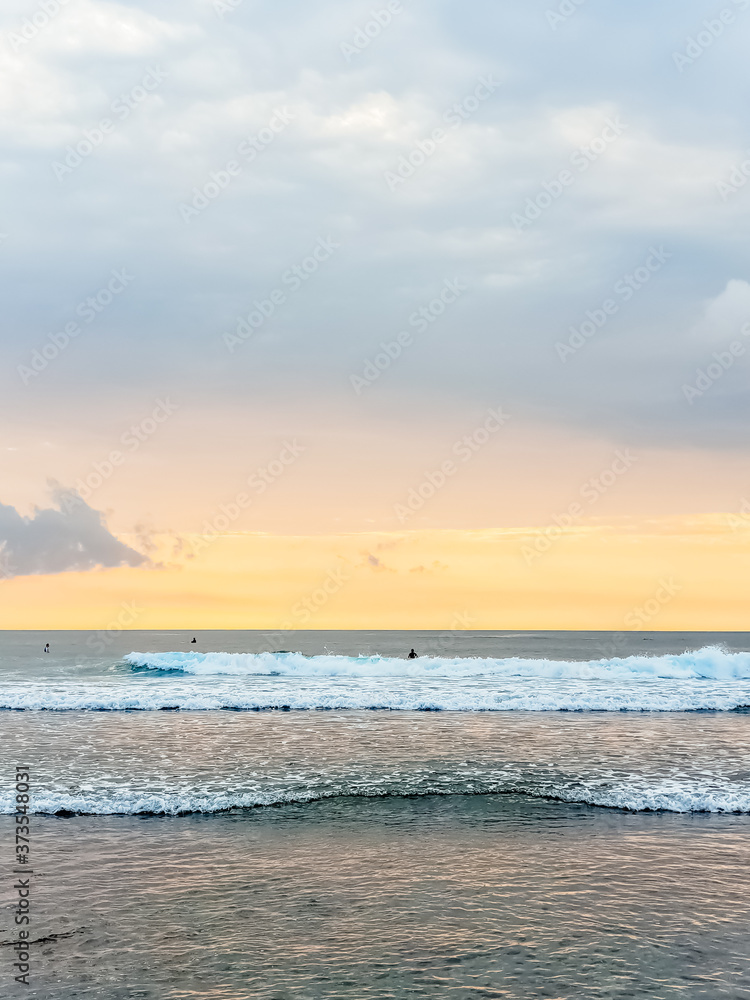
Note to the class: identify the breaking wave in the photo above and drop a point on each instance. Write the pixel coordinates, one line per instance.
(709, 679)
(709, 663)
(665, 796)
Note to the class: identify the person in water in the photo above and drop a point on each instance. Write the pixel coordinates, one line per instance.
(192, 640)
(46, 648)
(412, 655)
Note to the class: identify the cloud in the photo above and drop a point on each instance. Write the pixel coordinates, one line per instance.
(725, 315)
(435, 567)
(324, 176)
(377, 565)
(72, 537)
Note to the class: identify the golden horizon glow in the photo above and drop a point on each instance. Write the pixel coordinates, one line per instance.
(667, 574)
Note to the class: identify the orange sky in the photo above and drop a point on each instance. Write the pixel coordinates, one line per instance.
(662, 574)
(467, 557)
(351, 469)
(391, 300)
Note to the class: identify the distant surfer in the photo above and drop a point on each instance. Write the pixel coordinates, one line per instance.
(192, 640)
(46, 648)
(412, 655)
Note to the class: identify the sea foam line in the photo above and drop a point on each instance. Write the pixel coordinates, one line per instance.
(709, 663)
(669, 797)
(391, 695)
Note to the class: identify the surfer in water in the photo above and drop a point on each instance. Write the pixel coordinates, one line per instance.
(46, 648)
(192, 640)
(412, 656)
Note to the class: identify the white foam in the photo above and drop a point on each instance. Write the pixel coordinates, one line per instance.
(709, 663)
(708, 679)
(194, 694)
(679, 796)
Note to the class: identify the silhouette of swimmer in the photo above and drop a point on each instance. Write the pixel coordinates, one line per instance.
(412, 656)
(46, 648)
(192, 640)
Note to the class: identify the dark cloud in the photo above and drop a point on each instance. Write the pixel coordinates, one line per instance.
(213, 80)
(71, 536)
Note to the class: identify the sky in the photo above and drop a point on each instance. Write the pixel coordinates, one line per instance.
(450, 299)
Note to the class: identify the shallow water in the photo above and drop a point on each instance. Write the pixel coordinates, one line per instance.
(456, 897)
(353, 853)
(175, 762)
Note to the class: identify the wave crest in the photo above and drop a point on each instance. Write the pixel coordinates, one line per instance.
(709, 663)
(665, 796)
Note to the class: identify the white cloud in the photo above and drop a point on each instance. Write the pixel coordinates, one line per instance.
(70, 537)
(726, 314)
(324, 175)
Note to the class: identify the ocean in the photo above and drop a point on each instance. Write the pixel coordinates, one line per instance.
(313, 815)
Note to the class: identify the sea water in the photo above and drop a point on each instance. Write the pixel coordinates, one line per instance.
(314, 815)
